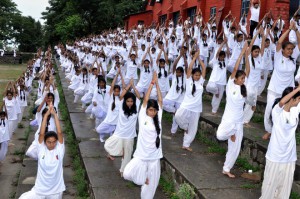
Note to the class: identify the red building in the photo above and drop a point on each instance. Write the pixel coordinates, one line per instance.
(162, 10)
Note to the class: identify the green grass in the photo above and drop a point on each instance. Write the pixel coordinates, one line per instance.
(251, 186)
(294, 195)
(258, 118)
(168, 186)
(213, 147)
(167, 117)
(244, 164)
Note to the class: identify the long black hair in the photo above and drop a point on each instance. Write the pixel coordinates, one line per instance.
(243, 87)
(51, 95)
(180, 69)
(195, 70)
(165, 72)
(83, 76)
(153, 104)
(48, 119)
(254, 47)
(129, 111)
(285, 92)
(113, 106)
(222, 63)
(50, 134)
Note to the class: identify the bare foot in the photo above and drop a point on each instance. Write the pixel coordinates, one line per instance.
(147, 181)
(187, 148)
(233, 138)
(110, 157)
(266, 136)
(230, 175)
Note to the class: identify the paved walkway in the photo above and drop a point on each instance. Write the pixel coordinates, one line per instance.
(103, 174)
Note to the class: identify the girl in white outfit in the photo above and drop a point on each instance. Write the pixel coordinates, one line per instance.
(108, 126)
(231, 127)
(175, 96)
(281, 155)
(83, 86)
(146, 74)
(254, 79)
(284, 68)
(217, 81)
(4, 135)
(51, 149)
(121, 142)
(187, 116)
(144, 168)
(100, 101)
(11, 111)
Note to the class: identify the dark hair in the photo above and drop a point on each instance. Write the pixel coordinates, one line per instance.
(284, 45)
(254, 47)
(153, 104)
(3, 113)
(129, 111)
(223, 54)
(83, 75)
(113, 106)
(180, 69)
(51, 95)
(9, 92)
(49, 135)
(48, 119)
(286, 91)
(195, 70)
(243, 87)
(165, 72)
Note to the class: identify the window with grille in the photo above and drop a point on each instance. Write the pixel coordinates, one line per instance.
(213, 11)
(245, 7)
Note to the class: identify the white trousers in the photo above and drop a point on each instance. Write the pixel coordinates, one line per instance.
(188, 121)
(32, 195)
(215, 89)
(278, 180)
(20, 115)
(3, 149)
(105, 129)
(263, 82)
(270, 101)
(250, 102)
(225, 131)
(139, 170)
(116, 146)
(171, 107)
(12, 126)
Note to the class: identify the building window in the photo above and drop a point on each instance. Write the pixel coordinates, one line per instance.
(162, 19)
(192, 13)
(213, 11)
(245, 7)
(175, 17)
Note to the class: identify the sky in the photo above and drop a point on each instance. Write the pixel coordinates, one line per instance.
(32, 8)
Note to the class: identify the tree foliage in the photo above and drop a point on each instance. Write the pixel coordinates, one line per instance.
(24, 30)
(69, 19)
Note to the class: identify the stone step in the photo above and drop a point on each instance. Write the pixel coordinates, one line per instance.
(102, 174)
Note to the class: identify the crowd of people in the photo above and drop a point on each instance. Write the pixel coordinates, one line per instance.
(160, 68)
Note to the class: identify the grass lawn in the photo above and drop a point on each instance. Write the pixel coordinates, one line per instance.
(9, 72)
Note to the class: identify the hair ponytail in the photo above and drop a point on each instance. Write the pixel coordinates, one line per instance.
(253, 62)
(194, 88)
(157, 127)
(113, 106)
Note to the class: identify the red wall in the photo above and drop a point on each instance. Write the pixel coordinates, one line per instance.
(159, 9)
(133, 20)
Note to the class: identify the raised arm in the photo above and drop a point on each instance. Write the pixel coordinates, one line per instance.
(287, 98)
(284, 36)
(235, 69)
(147, 96)
(114, 82)
(57, 124)
(43, 127)
(190, 68)
(137, 94)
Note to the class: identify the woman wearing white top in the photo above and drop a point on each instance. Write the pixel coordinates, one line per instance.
(108, 126)
(281, 155)
(145, 74)
(284, 69)
(132, 67)
(121, 142)
(11, 111)
(4, 135)
(144, 168)
(254, 19)
(51, 149)
(83, 86)
(187, 116)
(176, 93)
(231, 127)
(100, 101)
(256, 72)
(22, 99)
(217, 80)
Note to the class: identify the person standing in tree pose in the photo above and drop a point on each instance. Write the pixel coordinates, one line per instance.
(187, 116)
(144, 168)
(231, 127)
